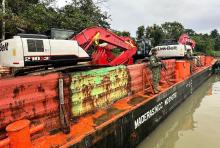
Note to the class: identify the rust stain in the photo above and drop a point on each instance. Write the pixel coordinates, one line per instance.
(68, 139)
(17, 108)
(44, 108)
(30, 97)
(136, 100)
(110, 112)
(16, 92)
(40, 88)
(87, 91)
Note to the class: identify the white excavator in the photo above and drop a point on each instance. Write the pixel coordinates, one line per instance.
(32, 49)
(175, 49)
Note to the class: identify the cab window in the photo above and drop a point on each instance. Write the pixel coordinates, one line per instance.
(35, 45)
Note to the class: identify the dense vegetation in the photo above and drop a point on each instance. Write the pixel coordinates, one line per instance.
(208, 43)
(38, 16)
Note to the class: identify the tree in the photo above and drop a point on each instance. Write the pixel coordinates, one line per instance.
(217, 44)
(140, 32)
(37, 16)
(155, 34)
(214, 34)
(203, 43)
(122, 33)
(216, 37)
(190, 32)
(172, 30)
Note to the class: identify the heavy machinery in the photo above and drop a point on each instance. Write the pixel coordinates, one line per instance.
(31, 49)
(104, 42)
(173, 48)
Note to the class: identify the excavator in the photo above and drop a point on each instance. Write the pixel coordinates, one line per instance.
(176, 49)
(95, 44)
(63, 48)
(104, 41)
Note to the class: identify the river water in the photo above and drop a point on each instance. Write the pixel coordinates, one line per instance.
(194, 124)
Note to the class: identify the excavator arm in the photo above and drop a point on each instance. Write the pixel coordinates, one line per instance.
(105, 41)
(186, 40)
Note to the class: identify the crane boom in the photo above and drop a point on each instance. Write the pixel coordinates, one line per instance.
(186, 40)
(103, 54)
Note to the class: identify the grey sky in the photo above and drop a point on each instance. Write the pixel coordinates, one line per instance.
(199, 15)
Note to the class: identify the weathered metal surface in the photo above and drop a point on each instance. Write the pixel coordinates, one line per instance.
(30, 97)
(114, 127)
(24, 97)
(208, 60)
(130, 129)
(97, 88)
(136, 77)
(168, 73)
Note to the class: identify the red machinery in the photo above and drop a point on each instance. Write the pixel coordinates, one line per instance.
(105, 41)
(186, 40)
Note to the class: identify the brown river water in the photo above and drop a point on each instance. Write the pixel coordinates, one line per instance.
(194, 124)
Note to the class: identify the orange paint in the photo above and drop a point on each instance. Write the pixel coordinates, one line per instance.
(19, 134)
(182, 70)
(29, 89)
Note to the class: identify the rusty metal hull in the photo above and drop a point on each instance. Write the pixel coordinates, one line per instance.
(130, 129)
(108, 107)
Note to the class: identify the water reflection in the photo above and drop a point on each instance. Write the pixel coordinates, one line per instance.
(216, 87)
(182, 120)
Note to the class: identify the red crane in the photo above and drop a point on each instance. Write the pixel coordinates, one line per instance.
(105, 41)
(186, 40)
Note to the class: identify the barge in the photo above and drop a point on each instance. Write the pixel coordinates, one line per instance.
(106, 107)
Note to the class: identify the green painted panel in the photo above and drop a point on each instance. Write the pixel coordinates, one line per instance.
(97, 88)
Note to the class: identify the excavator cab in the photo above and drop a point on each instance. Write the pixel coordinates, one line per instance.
(61, 34)
(143, 49)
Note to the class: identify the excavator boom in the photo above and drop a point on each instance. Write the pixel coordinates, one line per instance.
(102, 55)
(186, 40)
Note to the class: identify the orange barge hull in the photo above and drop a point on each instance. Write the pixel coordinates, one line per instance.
(91, 114)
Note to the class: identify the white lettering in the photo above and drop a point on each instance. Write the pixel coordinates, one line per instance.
(41, 58)
(170, 98)
(150, 113)
(4, 46)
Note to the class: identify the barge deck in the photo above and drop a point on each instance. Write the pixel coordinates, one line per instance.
(124, 119)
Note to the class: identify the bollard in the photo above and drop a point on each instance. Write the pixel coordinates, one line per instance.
(19, 134)
(17, 130)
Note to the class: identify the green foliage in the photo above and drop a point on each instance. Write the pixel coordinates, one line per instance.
(140, 32)
(214, 34)
(216, 37)
(122, 33)
(37, 16)
(190, 32)
(203, 43)
(217, 44)
(155, 34)
(207, 43)
(172, 30)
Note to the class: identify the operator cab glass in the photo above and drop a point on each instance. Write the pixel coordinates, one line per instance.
(144, 46)
(168, 42)
(61, 34)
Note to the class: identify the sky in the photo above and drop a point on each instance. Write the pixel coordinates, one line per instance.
(126, 15)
